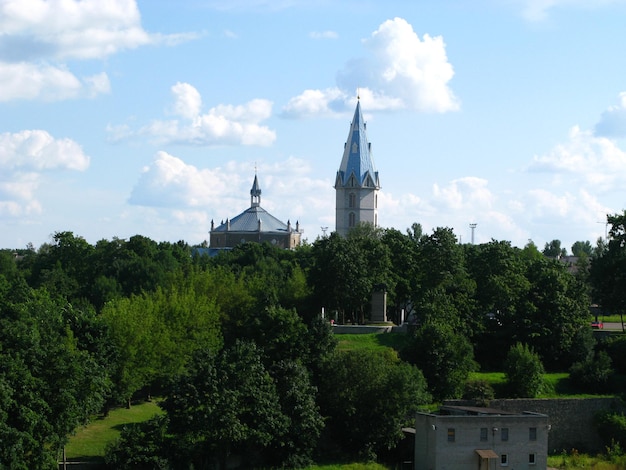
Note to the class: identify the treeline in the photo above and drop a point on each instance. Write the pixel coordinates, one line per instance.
(236, 347)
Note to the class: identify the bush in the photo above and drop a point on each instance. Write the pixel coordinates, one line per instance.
(479, 390)
(524, 372)
(592, 375)
(617, 351)
(140, 446)
(611, 427)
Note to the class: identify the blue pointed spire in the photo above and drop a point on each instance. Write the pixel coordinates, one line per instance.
(357, 156)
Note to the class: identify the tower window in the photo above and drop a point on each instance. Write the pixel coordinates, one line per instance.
(351, 219)
(352, 202)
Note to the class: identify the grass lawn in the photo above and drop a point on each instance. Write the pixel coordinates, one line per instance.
(90, 441)
(349, 466)
(372, 341)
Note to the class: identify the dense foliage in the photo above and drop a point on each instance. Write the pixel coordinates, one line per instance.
(237, 347)
(524, 372)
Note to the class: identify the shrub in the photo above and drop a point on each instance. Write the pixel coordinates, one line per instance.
(617, 351)
(594, 374)
(524, 372)
(479, 390)
(611, 427)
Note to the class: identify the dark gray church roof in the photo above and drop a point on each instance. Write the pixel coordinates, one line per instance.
(248, 221)
(357, 155)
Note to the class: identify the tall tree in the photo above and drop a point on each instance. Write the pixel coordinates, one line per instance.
(226, 404)
(444, 356)
(553, 249)
(367, 397)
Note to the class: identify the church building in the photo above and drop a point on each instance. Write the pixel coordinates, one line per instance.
(254, 224)
(356, 184)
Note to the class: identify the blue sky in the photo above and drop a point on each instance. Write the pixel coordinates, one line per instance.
(150, 117)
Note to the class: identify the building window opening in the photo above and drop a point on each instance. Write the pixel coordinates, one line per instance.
(351, 219)
(532, 434)
(352, 202)
(504, 460)
(451, 434)
(484, 434)
(531, 459)
(504, 435)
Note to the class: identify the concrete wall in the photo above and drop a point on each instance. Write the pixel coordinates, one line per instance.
(571, 419)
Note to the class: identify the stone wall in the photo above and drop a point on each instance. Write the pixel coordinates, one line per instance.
(571, 419)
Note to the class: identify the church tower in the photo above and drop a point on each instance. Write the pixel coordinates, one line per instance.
(356, 184)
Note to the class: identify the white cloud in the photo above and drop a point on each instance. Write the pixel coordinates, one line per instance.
(170, 182)
(221, 125)
(38, 150)
(613, 121)
(188, 101)
(416, 71)
(400, 71)
(23, 156)
(464, 193)
(198, 195)
(31, 81)
(317, 103)
(38, 36)
(69, 29)
(592, 160)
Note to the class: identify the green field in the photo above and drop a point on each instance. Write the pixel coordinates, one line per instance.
(90, 441)
(371, 341)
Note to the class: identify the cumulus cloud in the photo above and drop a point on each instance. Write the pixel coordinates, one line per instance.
(190, 193)
(23, 157)
(170, 182)
(38, 36)
(593, 160)
(400, 71)
(220, 125)
(464, 193)
(613, 121)
(38, 150)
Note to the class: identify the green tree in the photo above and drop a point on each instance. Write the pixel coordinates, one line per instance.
(367, 397)
(444, 356)
(553, 249)
(608, 268)
(226, 404)
(345, 271)
(49, 384)
(553, 317)
(403, 249)
(443, 285)
(155, 334)
(524, 372)
(141, 446)
(593, 375)
(582, 248)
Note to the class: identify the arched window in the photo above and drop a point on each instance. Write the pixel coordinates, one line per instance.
(352, 202)
(351, 219)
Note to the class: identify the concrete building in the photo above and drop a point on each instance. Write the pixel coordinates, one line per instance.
(356, 183)
(473, 438)
(254, 224)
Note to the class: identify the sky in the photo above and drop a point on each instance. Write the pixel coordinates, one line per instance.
(151, 117)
